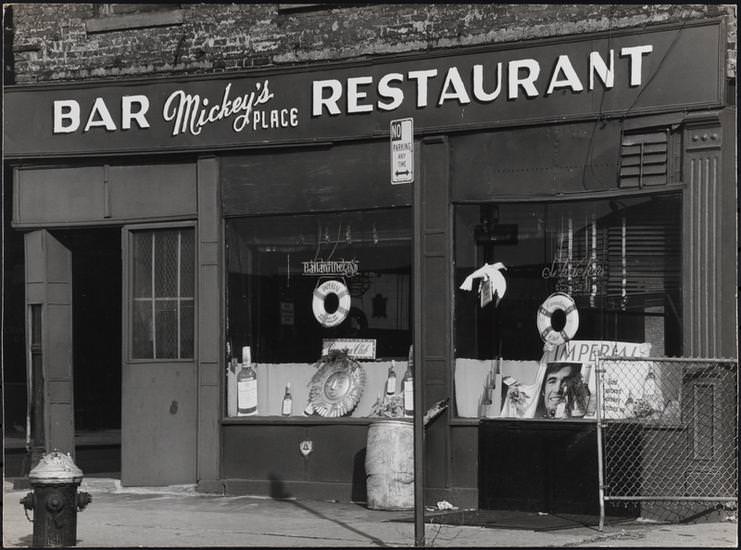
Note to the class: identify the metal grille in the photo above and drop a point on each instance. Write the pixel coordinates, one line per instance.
(667, 430)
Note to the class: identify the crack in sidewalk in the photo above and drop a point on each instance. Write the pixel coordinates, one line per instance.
(620, 535)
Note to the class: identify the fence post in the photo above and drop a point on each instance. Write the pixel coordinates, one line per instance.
(600, 466)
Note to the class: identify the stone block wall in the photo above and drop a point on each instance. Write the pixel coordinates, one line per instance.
(63, 42)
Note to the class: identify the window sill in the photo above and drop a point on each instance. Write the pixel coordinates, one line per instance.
(134, 21)
(292, 420)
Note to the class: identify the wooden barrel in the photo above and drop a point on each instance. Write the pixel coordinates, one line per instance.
(389, 465)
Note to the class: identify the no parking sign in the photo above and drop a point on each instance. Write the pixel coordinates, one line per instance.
(402, 151)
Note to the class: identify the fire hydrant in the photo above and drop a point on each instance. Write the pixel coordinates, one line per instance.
(55, 500)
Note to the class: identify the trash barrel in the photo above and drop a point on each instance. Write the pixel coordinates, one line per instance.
(389, 465)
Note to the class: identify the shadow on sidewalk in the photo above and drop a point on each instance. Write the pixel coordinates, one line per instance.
(509, 519)
(278, 491)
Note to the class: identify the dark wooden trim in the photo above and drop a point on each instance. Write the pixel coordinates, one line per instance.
(210, 291)
(586, 195)
(296, 420)
(211, 486)
(100, 223)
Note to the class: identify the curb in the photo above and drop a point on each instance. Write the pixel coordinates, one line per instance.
(112, 485)
(108, 485)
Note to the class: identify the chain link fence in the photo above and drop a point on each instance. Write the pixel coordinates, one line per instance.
(667, 435)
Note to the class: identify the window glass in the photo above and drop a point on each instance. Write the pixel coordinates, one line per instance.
(163, 294)
(285, 299)
(618, 260)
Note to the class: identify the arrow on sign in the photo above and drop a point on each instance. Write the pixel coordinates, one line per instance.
(402, 150)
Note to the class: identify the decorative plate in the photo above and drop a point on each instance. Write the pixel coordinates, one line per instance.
(336, 387)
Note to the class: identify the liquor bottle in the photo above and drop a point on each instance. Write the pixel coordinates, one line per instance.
(246, 386)
(589, 399)
(231, 385)
(286, 408)
(494, 390)
(407, 387)
(391, 381)
(562, 407)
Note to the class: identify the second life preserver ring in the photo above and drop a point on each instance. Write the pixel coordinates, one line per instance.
(554, 302)
(318, 303)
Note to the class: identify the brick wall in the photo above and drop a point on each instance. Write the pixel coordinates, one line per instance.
(54, 42)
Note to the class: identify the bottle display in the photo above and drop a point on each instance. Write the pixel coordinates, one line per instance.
(391, 381)
(231, 382)
(494, 391)
(407, 386)
(589, 399)
(286, 408)
(246, 386)
(562, 408)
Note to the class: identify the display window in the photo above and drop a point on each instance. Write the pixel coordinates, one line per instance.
(318, 312)
(552, 286)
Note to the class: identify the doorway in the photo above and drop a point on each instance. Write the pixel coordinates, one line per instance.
(96, 319)
(159, 376)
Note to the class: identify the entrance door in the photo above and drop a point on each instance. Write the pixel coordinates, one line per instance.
(49, 313)
(158, 417)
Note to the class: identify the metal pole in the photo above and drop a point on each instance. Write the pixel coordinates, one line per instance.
(419, 510)
(599, 369)
(419, 490)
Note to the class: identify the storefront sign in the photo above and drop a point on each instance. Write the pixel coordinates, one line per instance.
(357, 348)
(402, 150)
(551, 80)
(588, 351)
(622, 382)
(583, 268)
(328, 268)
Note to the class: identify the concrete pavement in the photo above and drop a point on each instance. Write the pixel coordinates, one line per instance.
(180, 517)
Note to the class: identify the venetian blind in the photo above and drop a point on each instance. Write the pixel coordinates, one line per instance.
(643, 253)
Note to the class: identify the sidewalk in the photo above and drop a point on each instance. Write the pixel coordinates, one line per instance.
(180, 517)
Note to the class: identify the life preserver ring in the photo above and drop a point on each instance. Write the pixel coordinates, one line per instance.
(318, 304)
(554, 302)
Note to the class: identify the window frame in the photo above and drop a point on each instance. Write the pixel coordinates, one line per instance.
(128, 290)
(666, 191)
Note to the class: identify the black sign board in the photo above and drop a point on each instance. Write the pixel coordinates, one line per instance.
(578, 77)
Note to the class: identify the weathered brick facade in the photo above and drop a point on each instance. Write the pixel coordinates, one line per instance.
(59, 42)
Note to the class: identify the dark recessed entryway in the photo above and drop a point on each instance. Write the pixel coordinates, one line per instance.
(96, 282)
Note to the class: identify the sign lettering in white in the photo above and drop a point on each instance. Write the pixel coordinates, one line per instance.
(402, 151)
(357, 348)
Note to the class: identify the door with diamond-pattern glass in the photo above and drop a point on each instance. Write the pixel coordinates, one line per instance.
(158, 421)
